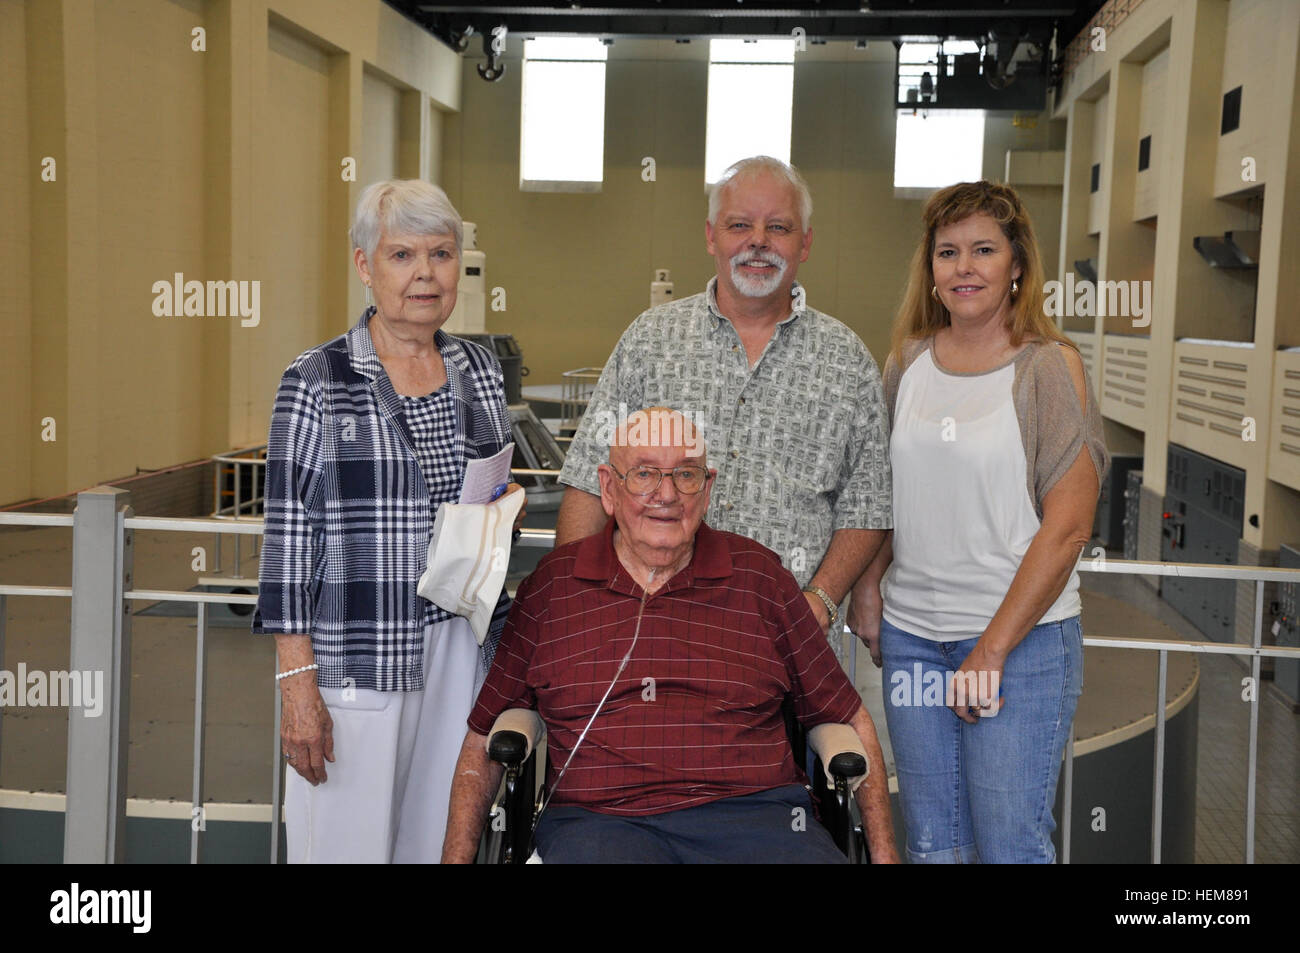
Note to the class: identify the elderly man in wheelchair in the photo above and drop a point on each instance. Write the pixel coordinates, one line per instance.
(660, 656)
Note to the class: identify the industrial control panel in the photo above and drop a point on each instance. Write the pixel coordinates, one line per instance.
(1108, 526)
(1132, 509)
(1286, 672)
(1201, 523)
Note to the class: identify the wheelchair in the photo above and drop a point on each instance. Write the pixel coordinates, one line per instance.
(518, 734)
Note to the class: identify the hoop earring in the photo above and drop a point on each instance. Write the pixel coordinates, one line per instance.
(1015, 287)
(934, 292)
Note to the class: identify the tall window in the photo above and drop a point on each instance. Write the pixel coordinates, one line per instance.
(938, 147)
(751, 96)
(934, 148)
(562, 119)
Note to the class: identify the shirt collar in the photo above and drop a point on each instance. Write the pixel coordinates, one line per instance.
(598, 562)
(365, 360)
(711, 295)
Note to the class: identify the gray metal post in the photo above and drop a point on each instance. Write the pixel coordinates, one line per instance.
(277, 789)
(3, 611)
(853, 657)
(1067, 807)
(198, 821)
(239, 473)
(1253, 755)
(1158, 787)
(95, 822)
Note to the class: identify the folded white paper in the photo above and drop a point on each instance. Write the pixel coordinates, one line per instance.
(482, 477)
(468, 555)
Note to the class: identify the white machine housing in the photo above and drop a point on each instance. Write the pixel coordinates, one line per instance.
(470, 314)
(661, 289)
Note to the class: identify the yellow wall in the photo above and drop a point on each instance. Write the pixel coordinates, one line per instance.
(221, 164)
(576, 268)
(20, 421)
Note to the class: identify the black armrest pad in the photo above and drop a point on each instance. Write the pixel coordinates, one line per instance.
(848, 764)
(508, 748)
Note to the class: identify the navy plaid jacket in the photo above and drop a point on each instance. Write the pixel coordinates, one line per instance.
(348, 512)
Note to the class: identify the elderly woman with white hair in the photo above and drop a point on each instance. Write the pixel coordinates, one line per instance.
(369, 433)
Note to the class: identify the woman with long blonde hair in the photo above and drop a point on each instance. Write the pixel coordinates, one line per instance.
(997, 453)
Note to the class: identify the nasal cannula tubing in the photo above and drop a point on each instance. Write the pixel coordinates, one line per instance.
(645, 594)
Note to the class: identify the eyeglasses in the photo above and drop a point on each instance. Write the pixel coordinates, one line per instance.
(642, 481)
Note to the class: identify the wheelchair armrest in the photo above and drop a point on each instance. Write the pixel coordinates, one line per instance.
(841, 752)
(514, 735)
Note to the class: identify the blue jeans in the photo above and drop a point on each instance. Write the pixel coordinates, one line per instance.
(981, 793)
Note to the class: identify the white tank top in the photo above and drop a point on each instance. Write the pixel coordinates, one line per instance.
(962, 514)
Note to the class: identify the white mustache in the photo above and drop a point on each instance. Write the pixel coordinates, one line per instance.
(767, 258)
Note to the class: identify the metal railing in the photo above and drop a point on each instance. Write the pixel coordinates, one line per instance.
(575, 391)
(1255, 651)
(103, 529)
(232, 466)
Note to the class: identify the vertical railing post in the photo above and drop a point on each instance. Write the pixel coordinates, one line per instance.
(853, 655)
(216, 512)
(1254, 723)
(1067, 806)
(95, 821)
(198, 818)
(239, 476)
(3, 613)
(1158, 787)
(277, 789)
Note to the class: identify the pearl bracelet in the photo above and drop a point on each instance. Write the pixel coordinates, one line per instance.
(295, 671)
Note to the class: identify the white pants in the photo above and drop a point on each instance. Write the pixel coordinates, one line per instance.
(385, 800)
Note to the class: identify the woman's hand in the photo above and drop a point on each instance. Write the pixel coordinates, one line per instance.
(306, 729)
(975, 690)
(865, 608)
(523, 510)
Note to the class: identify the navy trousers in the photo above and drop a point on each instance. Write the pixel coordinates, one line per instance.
(772, 827)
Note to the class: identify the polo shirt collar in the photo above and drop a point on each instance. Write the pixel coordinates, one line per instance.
(598, 562)
(711, 296)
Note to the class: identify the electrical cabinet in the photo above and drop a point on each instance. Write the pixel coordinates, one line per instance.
(1108, 526)
(1132, 508)
(1286, 672)
(1202, 519)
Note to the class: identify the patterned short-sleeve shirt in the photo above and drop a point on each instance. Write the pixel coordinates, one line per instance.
(800, 440)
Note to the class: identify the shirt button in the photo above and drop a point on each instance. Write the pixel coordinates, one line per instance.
(726, 506)
(735, 347)
(742, 400)
(734, 454)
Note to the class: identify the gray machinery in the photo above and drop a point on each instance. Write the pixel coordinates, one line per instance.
(1108, 526)
(1202, 520)
(1286, 672)
(535, 447)
(1132, 509)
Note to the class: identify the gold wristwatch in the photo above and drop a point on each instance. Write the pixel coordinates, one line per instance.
(831, 608)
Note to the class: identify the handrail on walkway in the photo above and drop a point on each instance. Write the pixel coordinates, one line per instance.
(103, 530)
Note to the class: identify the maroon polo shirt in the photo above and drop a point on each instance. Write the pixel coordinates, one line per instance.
(696, 715)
